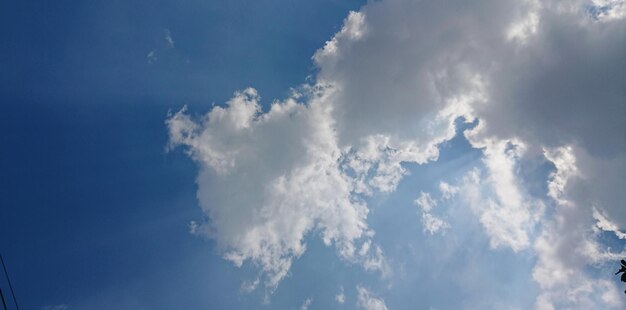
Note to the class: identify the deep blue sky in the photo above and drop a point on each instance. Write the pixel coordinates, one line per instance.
(92, 207)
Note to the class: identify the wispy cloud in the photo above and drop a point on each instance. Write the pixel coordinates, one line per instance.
(165, 48)
(305, 305)
(168, 38)
(367, 301)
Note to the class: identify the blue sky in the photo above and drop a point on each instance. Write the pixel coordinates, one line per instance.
(324, 155)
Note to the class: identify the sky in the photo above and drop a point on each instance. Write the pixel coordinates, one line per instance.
(333, 154)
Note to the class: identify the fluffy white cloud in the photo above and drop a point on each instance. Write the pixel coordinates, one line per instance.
(366, 301)
(563, 99)
(267, 179)
(447, 190)
(550, 81)
(568, 243)
(527, 92)
(564, 88)
(395, 100)
(543, 79)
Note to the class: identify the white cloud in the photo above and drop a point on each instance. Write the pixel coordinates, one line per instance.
(433, 224)
(388, 112)
(305, 305)
(366, 301)
(568, 244)
(430, 223)
(168, 38)
(152, 57)
(561, 98)
(165, 49)
(341, 297)
(506, 213)
(425, 202)
(565, 168)
(268, 179)
(546, 105)
(525, 27)
(448, 191)
(605, 224)
(353, 30)
(250, 286)
(606, 10)
(543, 79)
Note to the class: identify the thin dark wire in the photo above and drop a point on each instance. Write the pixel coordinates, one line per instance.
(9, 281)
(2, 297)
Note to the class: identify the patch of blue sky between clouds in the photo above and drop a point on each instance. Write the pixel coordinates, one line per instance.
(428, 269)
(453, 269)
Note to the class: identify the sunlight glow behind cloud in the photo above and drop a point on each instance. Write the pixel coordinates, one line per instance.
(391, 84)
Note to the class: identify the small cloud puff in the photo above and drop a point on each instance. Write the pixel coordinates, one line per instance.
(367, 301)
(341, 297)
(307, 302)
(430, 223)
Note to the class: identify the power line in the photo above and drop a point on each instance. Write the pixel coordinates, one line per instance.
(9, 281)
(2, 297)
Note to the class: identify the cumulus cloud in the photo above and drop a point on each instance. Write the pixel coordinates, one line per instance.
(535, 94)
(568, 243)
(367, 301)
(564, 101)
(544, 80)
(268, 179)
(568, 94)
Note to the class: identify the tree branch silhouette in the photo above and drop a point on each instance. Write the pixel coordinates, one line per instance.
(622, 270)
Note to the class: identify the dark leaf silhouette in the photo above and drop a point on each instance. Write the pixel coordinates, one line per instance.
(622, 270)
